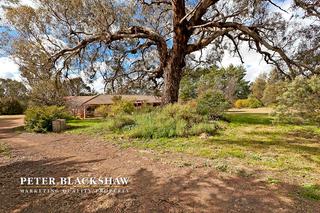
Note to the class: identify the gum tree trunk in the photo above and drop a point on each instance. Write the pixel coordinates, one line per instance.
(176, 62)
(172, 78)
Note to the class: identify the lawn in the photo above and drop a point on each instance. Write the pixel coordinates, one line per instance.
(251, 144)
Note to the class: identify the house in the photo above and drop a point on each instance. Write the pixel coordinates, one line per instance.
(84, 106)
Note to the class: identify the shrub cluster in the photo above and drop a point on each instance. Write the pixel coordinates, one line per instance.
(118, 107)
(174, 120)
(39, 119)
(102, 111)
(250, 102)
(122, 107)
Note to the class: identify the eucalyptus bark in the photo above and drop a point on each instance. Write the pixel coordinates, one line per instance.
(174, 68)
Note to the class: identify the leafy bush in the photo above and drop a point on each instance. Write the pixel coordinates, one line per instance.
(250, 102)
(39, 119)
(300, 103)
(102, 111)
(241, 103)
(212, 103)
(254, 102)
(185, 112)
(174, 120)
(11, 106)
(122, 107)
(146, 108)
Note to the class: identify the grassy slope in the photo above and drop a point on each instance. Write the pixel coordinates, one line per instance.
(251, 141)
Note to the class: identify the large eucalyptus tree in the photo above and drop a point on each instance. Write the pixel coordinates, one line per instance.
(141, 43)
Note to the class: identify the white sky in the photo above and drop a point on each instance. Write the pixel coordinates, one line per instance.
(253, 61)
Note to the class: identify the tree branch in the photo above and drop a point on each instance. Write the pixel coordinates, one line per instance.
(200, 10)
(205, 41)
(253, 33)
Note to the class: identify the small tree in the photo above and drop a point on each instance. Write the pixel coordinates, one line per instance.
(272, 92)
(259, 85)
(301, 101)
(212, 103)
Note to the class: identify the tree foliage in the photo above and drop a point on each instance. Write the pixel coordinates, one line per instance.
(301, 101)
(147, 42)
(230, 81)
(13, 97)
(212, 103)
(259, 85)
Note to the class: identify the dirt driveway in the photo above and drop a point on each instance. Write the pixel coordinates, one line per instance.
(9, 122)
(156, 183)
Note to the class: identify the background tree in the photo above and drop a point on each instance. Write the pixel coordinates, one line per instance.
(275, 86)
(301, 101)
(259, 85)
(150, 40)
(190, 82)
(77, 87)
(229, 81)
(13, 97)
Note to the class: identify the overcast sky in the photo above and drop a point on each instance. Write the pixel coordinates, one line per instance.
(254, 63)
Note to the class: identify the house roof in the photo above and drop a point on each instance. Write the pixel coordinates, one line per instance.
(107, 99)
(77, 100)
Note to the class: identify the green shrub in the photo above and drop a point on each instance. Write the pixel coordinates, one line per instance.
(145, 126)
(254, 102)
(39, 119)
(145, 108)
(102, 111)
(250, 102)
(174, 120)
(122, 107)
(185, 112)
(212, 103)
